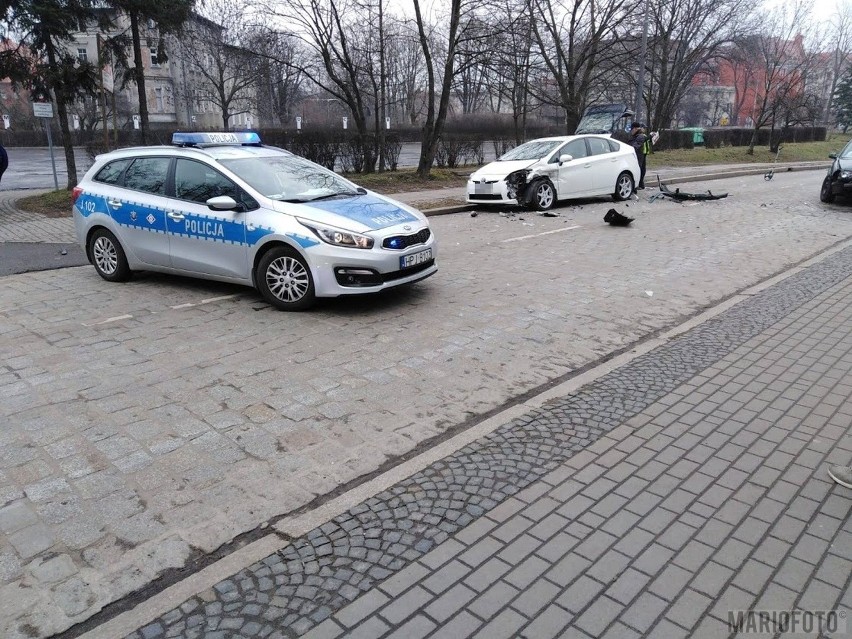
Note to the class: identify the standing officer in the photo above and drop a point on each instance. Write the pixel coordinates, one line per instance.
(642, 144)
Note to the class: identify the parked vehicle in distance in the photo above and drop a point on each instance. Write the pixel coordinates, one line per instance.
(605, 119)
(839, 178)
(541, 172)
(222, 206)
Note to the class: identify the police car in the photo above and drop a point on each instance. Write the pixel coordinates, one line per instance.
(223, 206)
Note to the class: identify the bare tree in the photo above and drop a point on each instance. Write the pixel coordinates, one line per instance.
(331, 32)
(512, 63)
(440, 48)
(739, 58)
(167, 16)
(576, 39)
(472, 67)
(217, 49)
(688, 34)
(406, 72)
(840, 37)
(281, 83)
(782, 63)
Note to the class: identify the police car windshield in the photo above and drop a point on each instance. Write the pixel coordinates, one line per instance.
(289, 178)
(534, 150)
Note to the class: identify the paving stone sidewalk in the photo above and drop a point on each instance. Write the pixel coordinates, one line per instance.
(19, 226)
(686, 484)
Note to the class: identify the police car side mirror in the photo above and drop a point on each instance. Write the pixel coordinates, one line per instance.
(833, 156)
(222, 203)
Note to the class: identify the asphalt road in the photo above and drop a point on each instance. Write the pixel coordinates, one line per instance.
(24, 257)
(159, 419)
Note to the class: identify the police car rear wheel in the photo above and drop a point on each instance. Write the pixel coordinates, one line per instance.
(284, 279)
(108, 257)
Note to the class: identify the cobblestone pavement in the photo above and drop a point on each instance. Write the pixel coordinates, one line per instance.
(19, 226)
(689, 483)
(155, 421)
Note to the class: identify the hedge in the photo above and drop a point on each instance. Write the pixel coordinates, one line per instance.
(729, 136)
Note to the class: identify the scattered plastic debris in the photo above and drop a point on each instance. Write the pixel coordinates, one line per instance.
(63, 252)
(649, 293)
(615, 218)
(771, 172)
(679, 196)
(474, 214)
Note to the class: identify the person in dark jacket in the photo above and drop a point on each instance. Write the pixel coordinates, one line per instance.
(642, 145)
(4, 161)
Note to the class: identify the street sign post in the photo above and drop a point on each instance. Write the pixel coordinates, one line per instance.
(345, 122)
(7, 122)
(44, 110)
(298, 123)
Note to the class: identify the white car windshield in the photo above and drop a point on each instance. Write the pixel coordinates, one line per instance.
(290, 178)
(534, 150)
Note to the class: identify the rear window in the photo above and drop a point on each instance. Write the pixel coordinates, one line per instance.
(111, 173)
(599, 146)
(148, 174)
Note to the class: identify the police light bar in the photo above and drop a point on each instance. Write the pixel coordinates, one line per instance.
(211, 139)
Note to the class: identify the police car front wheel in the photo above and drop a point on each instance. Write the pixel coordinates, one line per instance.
(284, 280)
(108, 257)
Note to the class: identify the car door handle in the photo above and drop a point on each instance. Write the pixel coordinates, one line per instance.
(177, 217)
(586, 166)
(114, 203)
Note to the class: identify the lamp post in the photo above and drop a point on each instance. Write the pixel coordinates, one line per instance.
(640, 80)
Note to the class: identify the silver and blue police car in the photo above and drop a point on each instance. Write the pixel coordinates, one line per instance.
(223, 206)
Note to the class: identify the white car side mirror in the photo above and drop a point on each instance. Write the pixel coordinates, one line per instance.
(565, 158)
(222, 203)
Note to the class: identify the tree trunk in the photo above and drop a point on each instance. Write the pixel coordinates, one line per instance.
(139, 74)
(62, 113)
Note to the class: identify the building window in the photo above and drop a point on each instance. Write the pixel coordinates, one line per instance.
(158, 93)
(82, 55)
(155, 61)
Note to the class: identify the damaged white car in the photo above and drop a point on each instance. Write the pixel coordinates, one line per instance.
(541, 172)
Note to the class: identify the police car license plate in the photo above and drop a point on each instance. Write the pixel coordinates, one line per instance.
(407, 261)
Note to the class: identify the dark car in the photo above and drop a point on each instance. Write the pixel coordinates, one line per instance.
(839, 178)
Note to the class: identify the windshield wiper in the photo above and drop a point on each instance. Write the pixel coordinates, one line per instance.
(331, 195)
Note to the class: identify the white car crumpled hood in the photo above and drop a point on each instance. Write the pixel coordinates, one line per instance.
(499, 170)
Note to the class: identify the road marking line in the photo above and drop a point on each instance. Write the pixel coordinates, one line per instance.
(219, 299)
(187, 305)
(117, 318)
(526, 237)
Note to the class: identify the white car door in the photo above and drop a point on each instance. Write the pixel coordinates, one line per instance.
(573, 177)
(202, 240)
(604, 169)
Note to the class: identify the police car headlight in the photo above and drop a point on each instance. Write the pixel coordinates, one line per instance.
(845, 175)
(339, 237)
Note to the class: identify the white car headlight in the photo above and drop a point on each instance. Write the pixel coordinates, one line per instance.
(338, 237)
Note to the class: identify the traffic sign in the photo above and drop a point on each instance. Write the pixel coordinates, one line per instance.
(43, 109)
